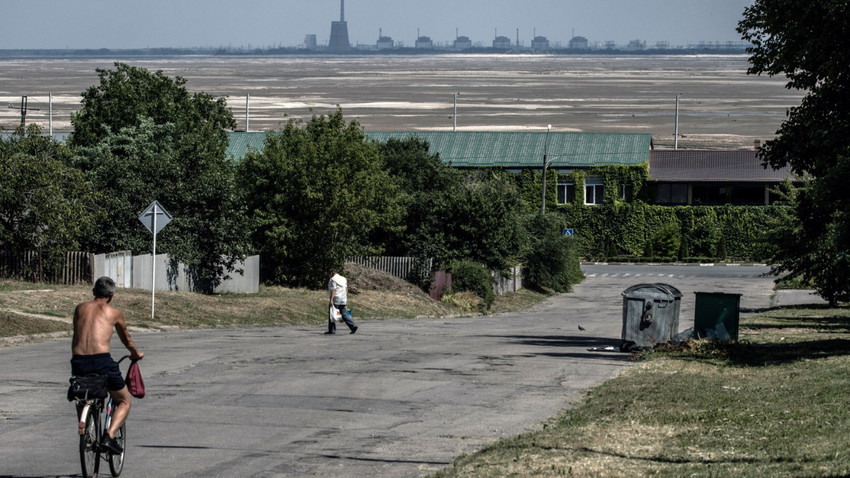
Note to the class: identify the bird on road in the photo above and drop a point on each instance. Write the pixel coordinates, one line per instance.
(580, 327)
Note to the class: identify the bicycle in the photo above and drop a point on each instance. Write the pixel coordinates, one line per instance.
(91, 429)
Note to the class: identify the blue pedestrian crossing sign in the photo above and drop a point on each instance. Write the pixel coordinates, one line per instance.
(568, 231)
(155, 214)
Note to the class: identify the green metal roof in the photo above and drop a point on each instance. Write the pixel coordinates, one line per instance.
(241, 142)
(506, 149)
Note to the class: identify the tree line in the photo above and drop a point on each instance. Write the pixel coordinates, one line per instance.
(318, 192)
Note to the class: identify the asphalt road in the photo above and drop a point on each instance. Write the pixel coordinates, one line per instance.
(399, 398)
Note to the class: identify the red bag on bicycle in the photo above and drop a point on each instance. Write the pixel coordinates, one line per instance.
(135, 384)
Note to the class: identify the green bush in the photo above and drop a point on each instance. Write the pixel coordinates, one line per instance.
(474, 277)
(552, 260)
(665, 242)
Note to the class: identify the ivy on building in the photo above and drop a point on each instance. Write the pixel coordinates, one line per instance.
(628, 226)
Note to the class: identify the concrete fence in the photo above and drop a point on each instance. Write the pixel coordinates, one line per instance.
(510, 283)
(137, 272)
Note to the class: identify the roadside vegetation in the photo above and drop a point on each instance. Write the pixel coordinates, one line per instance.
(30, 308)
(774, 404)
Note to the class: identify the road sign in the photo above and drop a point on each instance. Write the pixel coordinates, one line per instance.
(155, 217)
(568, 231)
(155, 214)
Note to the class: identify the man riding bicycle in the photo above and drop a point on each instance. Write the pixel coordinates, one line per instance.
(93, 325)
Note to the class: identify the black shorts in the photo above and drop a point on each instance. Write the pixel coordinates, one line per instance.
(101, 364)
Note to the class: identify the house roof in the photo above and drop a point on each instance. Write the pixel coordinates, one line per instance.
(712, 166)
(241, 142)
(503, 149)
(523, 150)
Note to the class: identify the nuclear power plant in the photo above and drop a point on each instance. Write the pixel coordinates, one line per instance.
(339, 43)
(339, 32)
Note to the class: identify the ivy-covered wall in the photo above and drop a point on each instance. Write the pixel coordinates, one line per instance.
(634, 229)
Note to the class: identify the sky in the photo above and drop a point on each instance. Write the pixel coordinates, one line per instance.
(119, 24)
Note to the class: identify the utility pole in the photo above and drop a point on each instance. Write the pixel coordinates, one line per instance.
(545, 165)
(676, 127)
(454, 115)
(24, 109)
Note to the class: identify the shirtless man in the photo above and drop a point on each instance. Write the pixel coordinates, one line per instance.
(93, 324)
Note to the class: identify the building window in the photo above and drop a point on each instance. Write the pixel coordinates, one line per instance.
(566, 192)
(594, 192)
(672, 193)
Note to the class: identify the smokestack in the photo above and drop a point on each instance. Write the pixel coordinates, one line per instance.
(342, 10)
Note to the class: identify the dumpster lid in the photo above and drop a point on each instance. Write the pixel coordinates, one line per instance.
(674, 291)
(663, 288)
(717, 293)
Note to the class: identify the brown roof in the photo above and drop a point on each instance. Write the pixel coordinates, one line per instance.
(711, 166)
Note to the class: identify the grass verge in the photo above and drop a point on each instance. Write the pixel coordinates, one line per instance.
(775, 404)
(25, 307)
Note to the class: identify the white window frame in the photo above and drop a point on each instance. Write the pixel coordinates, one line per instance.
(598, 188)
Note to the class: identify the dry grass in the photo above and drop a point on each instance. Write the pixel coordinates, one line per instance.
(18, 324)
(373, 295)
(775, 405)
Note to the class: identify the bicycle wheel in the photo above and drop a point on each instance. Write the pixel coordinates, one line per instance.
(89, 455)
(116, 462)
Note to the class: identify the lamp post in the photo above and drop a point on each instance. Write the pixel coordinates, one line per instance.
(545, 164)
(676, 127)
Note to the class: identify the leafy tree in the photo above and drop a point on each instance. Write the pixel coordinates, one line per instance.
(319, 193)
(142, 136)
(128, 93)
(426, 182)
(45, 205)
(551, 261)
(479, 219)
(809, 42)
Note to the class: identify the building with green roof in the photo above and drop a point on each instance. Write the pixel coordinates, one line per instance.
(507, 150)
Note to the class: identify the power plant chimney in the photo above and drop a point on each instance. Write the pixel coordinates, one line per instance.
(339, 32)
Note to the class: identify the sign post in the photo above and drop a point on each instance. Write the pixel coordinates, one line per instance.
(155, 217)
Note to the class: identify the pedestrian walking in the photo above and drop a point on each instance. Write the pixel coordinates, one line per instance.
(338, 298)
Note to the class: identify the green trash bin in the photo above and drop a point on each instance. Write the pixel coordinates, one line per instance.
(716, 315)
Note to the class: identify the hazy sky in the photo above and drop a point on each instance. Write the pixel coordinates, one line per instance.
(267, 23)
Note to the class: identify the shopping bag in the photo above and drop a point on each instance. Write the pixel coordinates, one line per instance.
(334, 314)
(135, 384)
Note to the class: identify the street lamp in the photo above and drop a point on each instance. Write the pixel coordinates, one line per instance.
(676, 127)
(545, 164)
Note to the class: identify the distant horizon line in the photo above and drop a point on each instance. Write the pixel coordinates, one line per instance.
(719, 48)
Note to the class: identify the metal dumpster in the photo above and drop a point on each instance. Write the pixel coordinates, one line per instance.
(716, 315)
(650, 314)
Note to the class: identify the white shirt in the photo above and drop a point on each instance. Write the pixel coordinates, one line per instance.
(339, 285)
